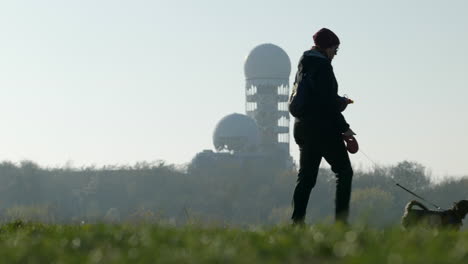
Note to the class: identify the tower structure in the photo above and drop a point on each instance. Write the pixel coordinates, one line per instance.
(267, 69)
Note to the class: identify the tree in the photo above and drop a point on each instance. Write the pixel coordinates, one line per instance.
(410, 174)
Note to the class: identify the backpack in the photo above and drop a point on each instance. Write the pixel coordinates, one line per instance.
(302, 86)
(297, 100)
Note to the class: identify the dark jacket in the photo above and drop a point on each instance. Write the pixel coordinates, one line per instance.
(322, 115)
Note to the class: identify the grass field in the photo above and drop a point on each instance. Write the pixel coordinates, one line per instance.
(147, 243)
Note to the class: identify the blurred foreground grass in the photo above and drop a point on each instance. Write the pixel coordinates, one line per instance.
(148, 243)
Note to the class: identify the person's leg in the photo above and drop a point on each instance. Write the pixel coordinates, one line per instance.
(337, 156)
(309, 162)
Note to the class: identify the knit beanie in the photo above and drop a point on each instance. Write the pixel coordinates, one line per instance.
(325, 38)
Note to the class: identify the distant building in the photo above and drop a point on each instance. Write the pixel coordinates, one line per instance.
(263, 133)
(267, 70)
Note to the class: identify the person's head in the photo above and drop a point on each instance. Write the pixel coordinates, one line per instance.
(327, 41)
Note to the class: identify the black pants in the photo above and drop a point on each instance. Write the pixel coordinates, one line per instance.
(313, 147)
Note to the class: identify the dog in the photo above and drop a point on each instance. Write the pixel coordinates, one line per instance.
(451, 218)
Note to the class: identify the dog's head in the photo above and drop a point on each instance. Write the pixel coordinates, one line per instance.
(461, 207)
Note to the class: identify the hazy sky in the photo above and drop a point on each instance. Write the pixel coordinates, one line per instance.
(114, 82)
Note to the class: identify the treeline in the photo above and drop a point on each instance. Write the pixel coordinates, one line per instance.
(247, 194)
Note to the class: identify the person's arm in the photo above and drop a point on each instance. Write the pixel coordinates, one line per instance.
(327, 97)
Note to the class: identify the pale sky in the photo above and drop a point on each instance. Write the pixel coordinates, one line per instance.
(115, 82)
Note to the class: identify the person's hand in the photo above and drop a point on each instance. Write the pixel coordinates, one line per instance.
(349, 133)
(343, 102)
(351, 143)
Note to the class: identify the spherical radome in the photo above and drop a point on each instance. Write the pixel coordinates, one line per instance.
(267, 61)
(236, 132)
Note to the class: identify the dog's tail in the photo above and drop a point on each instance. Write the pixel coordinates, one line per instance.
(410, 205)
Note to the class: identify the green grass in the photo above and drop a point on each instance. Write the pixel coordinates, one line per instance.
(104, 243)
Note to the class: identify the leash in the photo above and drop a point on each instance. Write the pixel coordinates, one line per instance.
(399, 185)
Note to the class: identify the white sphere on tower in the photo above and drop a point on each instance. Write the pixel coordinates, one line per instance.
(236, 132)
(267, 61)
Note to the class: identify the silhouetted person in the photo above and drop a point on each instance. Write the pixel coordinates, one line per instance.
(319, 132)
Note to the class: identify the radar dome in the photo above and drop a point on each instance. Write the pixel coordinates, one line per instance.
(267, 61)
(236, 132)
